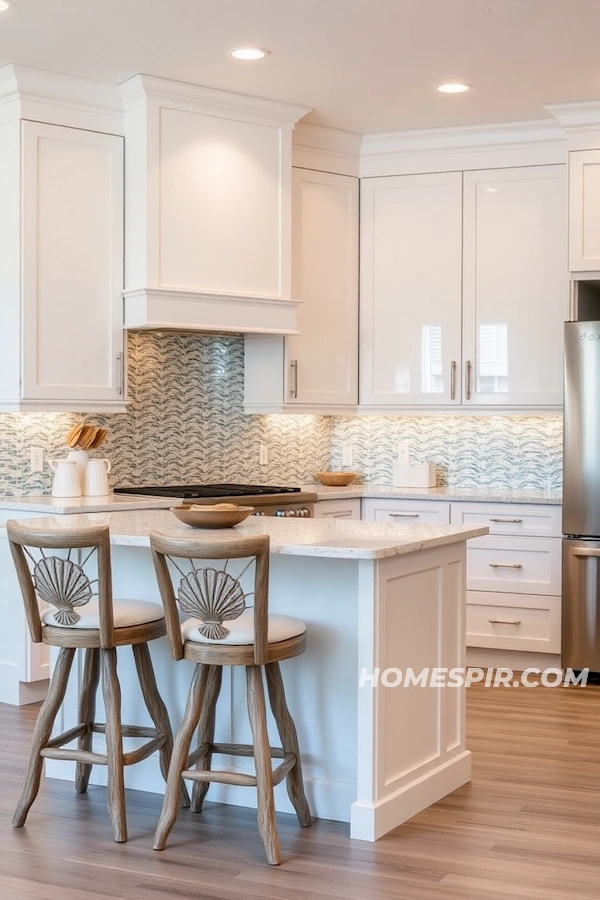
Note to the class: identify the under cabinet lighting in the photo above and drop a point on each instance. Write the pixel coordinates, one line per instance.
(248, 53)
(5, 5)
(452, 87)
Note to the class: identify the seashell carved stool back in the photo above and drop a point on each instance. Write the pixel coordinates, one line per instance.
(69, 569)
(223, 631)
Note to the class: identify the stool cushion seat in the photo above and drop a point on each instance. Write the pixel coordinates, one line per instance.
(241, 630)
(125, 614)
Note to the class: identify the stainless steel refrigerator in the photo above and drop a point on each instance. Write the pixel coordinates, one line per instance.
(581, 498)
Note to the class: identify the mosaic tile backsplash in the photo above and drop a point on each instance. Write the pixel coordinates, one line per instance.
(185, 422)
(468, 451)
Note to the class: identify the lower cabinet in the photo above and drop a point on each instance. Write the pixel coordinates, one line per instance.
(513, 576)
(337, 509)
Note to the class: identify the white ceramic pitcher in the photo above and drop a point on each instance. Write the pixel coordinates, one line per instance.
(96, 478)
(66, 478)
(81, 458)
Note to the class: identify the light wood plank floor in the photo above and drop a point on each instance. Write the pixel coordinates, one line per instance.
(526, 828)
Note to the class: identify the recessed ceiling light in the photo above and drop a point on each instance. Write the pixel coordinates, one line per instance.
(453, 87)
(5, 5)
(248, 53)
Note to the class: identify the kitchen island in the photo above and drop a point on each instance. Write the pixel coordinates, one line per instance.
(374, 597)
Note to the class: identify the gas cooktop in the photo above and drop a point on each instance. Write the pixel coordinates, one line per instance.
(190, 491)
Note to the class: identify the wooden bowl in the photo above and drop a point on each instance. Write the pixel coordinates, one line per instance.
(337, 479)
(211, 517)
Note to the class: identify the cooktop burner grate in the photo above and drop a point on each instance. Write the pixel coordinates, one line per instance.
(189, 491)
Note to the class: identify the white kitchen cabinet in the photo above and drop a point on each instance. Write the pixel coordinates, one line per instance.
(584, 211)
(463, 289)
(515, 289)
(61, 268)
(410, 274)
(337, 509)
(316, 369)
(513, 576)
(406, 511)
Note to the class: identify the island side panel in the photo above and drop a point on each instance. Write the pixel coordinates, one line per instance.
(412, 746)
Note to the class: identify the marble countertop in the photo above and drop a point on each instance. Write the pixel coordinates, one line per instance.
(474, 495)
(43, 503)
(335, 538)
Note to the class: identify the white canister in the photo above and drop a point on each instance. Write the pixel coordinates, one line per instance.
(96, 478)
(66, 478)
(80, 458)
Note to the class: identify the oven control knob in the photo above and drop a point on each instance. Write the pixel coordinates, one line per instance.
(280, 512)
(303, 512)
(258, 513)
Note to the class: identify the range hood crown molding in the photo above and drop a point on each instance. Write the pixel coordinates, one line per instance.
(175, 309)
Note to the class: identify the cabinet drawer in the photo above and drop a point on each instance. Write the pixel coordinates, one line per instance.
(514, 565)
(515, 622)
(402, 511)
(337, 509)
(510, 518)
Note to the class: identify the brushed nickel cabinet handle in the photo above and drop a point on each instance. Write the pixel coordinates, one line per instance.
(468, 368)
(121, 374)
(453, 380)
(294, 388)
(505, 565)
(515, 521)
(585, 551)
(504, 621)
(404, 515)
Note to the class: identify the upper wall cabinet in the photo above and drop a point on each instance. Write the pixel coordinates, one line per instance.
(208, 209)
(61, 268)
(584, 211)
(318, 367)
(515, 287)
(463, 289)
(410, 290)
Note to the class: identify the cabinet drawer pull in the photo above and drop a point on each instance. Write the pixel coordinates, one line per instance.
(453, 380)
(404, 515)
(294, 388)
(585, 551)
(511, 521)
(504, 621)
(505, 565)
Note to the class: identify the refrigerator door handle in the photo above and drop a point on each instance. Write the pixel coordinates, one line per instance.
(585, 551)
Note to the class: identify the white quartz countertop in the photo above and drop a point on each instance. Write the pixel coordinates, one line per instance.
(334, 538)
(43, 503)
(474, 495)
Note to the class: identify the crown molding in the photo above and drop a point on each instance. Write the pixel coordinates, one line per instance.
(142, 89)
(30, 93)
(580, 116)
(465, 146)
(326, 149)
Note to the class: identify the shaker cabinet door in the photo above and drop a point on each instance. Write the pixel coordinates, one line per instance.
(411, 271)
(72, 183)
(515, 294)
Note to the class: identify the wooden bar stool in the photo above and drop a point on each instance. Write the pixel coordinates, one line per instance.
(222, 632)
(75, 619)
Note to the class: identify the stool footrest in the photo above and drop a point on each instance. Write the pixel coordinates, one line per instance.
(128, 730)
(89, 757)
(230, 750)
(240, 778)
(67, 736)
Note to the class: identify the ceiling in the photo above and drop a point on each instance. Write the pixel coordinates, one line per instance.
(362, 65)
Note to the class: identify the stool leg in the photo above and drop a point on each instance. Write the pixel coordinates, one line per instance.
(180, 754)
(289, 742)
(42, 732)
(87, 712)
(257, 713)
(157, 709)
(111, 691)
(206, 733)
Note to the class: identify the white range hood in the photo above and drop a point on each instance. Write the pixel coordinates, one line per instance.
(207, 209)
